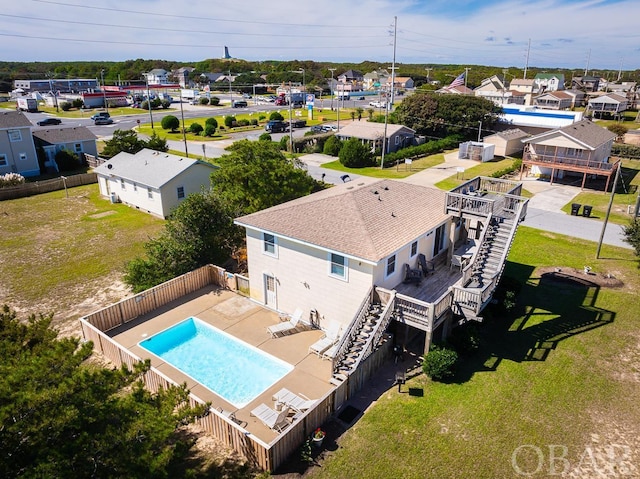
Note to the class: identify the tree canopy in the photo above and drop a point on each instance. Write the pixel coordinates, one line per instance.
(128, 141)
(439, 115)
(63, 418)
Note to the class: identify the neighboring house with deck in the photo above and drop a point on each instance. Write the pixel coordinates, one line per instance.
(507, 142)
(17, 150)
(152, 181)
(580, 148)
(553, 100)
(49, 141)
(611, 103)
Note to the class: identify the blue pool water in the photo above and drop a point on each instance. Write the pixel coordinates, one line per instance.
(234, 370)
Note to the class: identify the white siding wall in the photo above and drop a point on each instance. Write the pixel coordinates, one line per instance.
(303, 281)
(193, 180)
(137, 197)
(425, 246)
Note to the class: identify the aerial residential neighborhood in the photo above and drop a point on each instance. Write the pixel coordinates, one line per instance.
(418, 260)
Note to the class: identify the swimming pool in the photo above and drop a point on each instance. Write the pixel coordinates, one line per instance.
(233, 369)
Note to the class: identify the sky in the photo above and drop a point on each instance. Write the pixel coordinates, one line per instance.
(572, 34)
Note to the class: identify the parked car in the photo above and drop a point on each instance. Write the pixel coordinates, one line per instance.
(378, 104)
(275, 126)
(317, 129)
(298, 123)
(328, 128)
(240, 104)
(49, 121)
(246, 95)
(100, 114)
(103, 121)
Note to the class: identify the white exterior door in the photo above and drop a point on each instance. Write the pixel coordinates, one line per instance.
(270, 298)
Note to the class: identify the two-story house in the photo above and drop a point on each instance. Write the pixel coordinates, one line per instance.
(17, 151)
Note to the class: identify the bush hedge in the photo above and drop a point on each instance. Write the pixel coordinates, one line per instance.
(428, 148)
(440, 362)
(626, 151)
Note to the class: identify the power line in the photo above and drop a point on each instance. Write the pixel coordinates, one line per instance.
(200, 17)
(207, 32)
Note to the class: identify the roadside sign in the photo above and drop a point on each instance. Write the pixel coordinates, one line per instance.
(310, 99)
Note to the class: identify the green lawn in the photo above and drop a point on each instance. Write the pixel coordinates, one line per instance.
(58, 251)
(87, 113)
(562, 370)
(629, 118)
(400, 171)
(623, 201)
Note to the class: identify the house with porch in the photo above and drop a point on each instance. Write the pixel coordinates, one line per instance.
(157, 76)
(611, 103)
(553, 100)
(152, 181)
(369, 252)
(49, 141)
(545, 82)
(17, 150)
(374, 79)
(372, 134)
(582, 148)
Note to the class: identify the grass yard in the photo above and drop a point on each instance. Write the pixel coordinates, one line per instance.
(623, 201)
(563, 370)
(400, 171)
(481, 169)
(59, 252)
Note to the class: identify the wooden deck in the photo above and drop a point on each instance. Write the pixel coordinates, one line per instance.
(433, 286)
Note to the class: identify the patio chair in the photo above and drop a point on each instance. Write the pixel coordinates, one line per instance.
(298, 402)
(457, 262)
(330, 337)
(331, 352)
(232, 416)
(276, 420)
(286, 326)
(411, 275)
(426, 266)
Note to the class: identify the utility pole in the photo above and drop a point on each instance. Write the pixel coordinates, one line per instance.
(104, 93)
(230, 92)
(332, 70)
(290, 120)
(184, 134)
(428, 74)
(393, 65)
(526, 64)
(606, 218)
(466, 75)
(620, 70)
(588, 59)
(146, 79)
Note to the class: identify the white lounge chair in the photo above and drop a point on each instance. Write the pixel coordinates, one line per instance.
(297, 402)
(276, 420)
(331, 352)
(232, 416)
(330, 337)
(286, 326)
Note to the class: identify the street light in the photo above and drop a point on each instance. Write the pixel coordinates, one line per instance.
(104, 94)
(55, 98)
(146, 79)
(304, 83)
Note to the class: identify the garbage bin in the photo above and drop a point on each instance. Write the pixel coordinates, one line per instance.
(575, 208)
(586, 210)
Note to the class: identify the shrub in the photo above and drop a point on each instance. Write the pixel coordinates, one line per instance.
(229, 120)
(243, 122)
(11, 179)
(275, 115)
(284, 143)
(170, 122)
(165, 104)
(209, 130)
(354, 154)
(65, 106)
(264, 137)
(144, 105)
(67, 160)
(204, 100)
(77, 103)
(211, 121)
(619, 130)
(626, 151)
(156, 103)
(195, 128)
(156, 143)
(466, 338)
(254, 122)
(215, 101)
(510, 169)
(632, 235)
(332, 146)
(440, 363)
(262, 117)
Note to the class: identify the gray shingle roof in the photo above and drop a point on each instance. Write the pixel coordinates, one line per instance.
(55, 136)
(13, 119)
(512, 134)
(367, 218)
(372, 131)
(147, 167)
(585, 132)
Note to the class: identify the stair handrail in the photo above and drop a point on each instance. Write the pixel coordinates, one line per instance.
(351, 331)
(376, 334)
(466, 272)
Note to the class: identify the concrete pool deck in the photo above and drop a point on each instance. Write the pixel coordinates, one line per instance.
(247, 321)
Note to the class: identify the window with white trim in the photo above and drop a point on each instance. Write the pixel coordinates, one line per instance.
(391, 265)
(397, 140)
(122, 186)
(14, 135)
(338, 266)
(269, 245)
(180, 192)
(3, 160)
(414, 248)
(150, 193)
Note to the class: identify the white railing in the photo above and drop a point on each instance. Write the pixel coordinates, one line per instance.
(376, 336)
(352, 331)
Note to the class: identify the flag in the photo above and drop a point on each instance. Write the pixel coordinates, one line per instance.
(459, 80)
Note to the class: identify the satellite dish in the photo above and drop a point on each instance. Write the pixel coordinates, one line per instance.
(109, 166)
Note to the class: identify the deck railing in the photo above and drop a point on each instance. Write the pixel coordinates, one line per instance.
(567, 162)
(374, 339)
